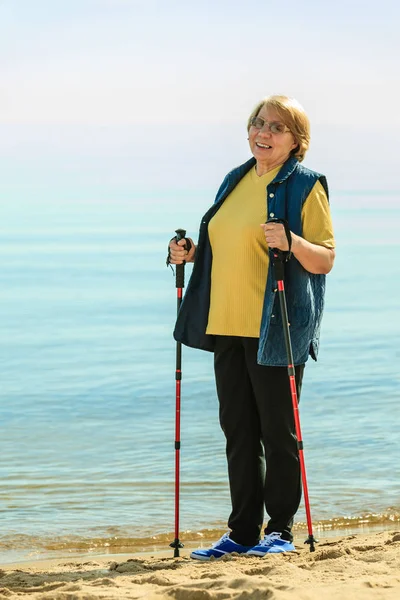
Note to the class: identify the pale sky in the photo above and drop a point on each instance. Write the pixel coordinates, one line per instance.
(136, 86)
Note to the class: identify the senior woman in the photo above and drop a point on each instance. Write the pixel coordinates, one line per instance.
(232, 309)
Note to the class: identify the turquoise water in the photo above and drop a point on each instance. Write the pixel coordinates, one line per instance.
(87, 363)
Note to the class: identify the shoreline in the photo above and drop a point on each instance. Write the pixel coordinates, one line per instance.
(160, 546)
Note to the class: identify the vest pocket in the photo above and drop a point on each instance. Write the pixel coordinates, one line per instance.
(298, 316)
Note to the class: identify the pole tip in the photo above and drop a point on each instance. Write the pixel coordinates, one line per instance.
(176, 544)
(311, 541)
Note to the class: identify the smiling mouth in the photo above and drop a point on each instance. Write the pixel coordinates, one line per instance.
(263, 145)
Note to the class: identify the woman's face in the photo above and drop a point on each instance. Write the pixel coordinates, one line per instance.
(270, 149)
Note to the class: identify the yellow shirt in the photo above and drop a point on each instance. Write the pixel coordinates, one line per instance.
(240, 253)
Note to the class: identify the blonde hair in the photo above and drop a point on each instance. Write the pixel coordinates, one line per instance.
(293, 116)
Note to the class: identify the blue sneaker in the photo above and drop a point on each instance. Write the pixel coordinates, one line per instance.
(271, 544)
(224, 546)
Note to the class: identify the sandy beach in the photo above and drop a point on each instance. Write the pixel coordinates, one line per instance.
(355, 566)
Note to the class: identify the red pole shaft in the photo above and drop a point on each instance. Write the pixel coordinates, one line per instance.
(176, 544)
(179, 284)
(177, 450)
(301, 453)
(293, 390)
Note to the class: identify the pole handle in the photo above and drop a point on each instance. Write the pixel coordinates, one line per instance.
(281, 256)
(180, 269)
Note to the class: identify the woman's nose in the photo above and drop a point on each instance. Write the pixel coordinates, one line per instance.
(265, 130)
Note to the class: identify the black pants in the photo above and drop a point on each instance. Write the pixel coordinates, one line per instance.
(256, 416)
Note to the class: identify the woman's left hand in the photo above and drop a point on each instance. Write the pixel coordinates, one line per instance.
(275, 236)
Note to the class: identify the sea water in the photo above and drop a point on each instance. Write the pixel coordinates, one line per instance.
(87, 367)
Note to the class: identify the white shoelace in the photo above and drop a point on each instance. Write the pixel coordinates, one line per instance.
(270, 538)
(222, 539)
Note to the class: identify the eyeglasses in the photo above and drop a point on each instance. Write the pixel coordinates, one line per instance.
(273, 126)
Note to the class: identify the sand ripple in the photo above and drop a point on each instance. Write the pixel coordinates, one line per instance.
(357, 567)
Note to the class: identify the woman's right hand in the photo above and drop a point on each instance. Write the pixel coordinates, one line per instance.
(177, 252)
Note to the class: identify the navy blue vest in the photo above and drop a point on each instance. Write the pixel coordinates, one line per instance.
(305, 291)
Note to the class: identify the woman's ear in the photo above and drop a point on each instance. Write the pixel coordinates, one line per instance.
(294, 149)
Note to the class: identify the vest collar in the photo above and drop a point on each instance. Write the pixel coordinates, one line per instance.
(286, 170)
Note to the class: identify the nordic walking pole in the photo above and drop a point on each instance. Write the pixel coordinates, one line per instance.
(277, 261)
(179, 284)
